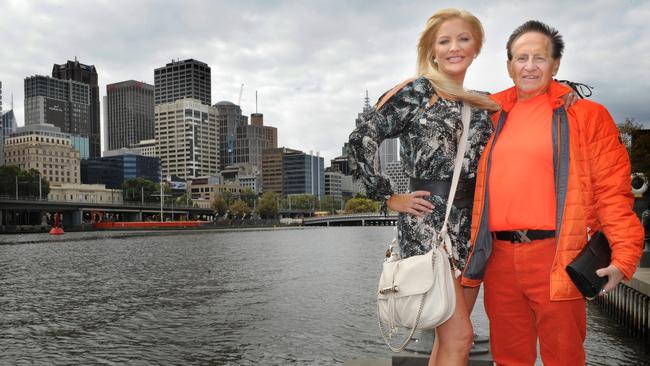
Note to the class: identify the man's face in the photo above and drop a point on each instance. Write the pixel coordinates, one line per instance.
(532, 66)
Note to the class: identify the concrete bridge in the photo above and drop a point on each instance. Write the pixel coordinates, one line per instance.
(369, 219)
(32, 211)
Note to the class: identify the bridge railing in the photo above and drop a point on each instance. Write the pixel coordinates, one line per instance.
(352, 215)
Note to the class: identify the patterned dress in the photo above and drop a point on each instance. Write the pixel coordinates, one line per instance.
(429, 138)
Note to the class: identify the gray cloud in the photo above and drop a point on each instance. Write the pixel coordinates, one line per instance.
(312, 62)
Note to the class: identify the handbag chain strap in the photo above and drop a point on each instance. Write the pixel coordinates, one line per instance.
(466, 114)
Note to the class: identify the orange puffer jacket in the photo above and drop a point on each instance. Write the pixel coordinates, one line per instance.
(593, 189)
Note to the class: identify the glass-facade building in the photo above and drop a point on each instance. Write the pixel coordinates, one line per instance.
(303, 174)
(115, 170)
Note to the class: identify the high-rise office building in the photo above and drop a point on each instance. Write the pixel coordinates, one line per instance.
(229, 117)
(398, 178)
(239, 141)
(388, 152)
(389, 149)
(129, 113)
(85, 74)
(303, 174)
(62, 103)
(333, 183)
(7, 127)
(272, 169)
(182, 79)
(0, 96)
(257, 139)
(287, 171)
(187, 135)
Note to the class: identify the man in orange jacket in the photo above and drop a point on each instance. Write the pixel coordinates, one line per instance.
(548, 179)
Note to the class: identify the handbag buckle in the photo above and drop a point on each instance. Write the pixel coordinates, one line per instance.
(385, 290)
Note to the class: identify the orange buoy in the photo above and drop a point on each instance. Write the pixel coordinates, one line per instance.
(56, 225)
(56, 231)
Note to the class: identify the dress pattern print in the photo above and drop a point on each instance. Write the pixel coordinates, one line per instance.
(429, 138)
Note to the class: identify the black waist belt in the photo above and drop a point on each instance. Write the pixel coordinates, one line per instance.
(524, 236)
(463, 198)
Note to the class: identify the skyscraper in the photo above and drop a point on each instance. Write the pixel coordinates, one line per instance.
(389, 149)
(7, 127)
(182, 79)
(85, 74)
(129, 113)
(0, 96)
(239, 141)
(62, 103)
(187, 133)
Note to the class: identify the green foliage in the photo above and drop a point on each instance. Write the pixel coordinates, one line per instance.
(184, 200)
(303, 202)
(133, 189)
(330, 204)
(219, 205)
(361, 205)
(267, 207)
(239, 209)
(27, 182)
(637, 141)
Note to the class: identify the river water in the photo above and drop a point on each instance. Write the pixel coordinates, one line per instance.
(259, 297)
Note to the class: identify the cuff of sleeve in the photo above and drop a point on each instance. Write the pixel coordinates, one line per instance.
(627, 273)
(468, 282)
(383, 209)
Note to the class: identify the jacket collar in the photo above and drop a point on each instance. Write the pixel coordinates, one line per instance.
(508, 98)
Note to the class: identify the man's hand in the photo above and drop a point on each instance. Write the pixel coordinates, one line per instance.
(410, 203)
(614, 274)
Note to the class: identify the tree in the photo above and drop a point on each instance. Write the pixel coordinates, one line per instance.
(330, 204)
(637, 141)
(132, 189)
(184, 200)
(267, 206)
(248, 195)
(361, 205)
(219, 205)
(304, 202)
(27, 182)
(240, 209)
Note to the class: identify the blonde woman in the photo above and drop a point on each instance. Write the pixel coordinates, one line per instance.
(425, 114)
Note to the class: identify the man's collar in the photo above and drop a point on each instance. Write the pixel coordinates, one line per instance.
(508, 98)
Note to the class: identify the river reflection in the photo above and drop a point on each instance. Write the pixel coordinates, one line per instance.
(269, 297)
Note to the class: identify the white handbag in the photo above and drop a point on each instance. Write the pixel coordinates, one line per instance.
(418, 292)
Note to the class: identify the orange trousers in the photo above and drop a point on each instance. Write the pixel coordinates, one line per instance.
(517, 302)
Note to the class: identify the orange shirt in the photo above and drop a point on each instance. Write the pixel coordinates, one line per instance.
(521, 187)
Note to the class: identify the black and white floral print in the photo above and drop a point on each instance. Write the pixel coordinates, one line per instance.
(429, 138)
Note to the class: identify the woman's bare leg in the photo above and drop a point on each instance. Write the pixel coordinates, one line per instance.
(454, 337)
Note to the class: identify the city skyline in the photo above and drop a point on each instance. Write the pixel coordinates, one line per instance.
(312, 63)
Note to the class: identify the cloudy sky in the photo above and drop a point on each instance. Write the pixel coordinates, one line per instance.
(312, 61)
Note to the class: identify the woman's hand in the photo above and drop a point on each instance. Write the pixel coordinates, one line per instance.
(570, 99)
(410, 203)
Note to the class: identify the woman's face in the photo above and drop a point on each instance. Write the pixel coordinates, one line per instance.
(455, 48)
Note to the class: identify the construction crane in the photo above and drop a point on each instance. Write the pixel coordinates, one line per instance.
(241, 91)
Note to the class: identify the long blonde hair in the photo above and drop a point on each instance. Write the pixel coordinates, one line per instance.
(429, 69)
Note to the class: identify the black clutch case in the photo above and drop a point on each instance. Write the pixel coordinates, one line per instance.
(582, 270)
